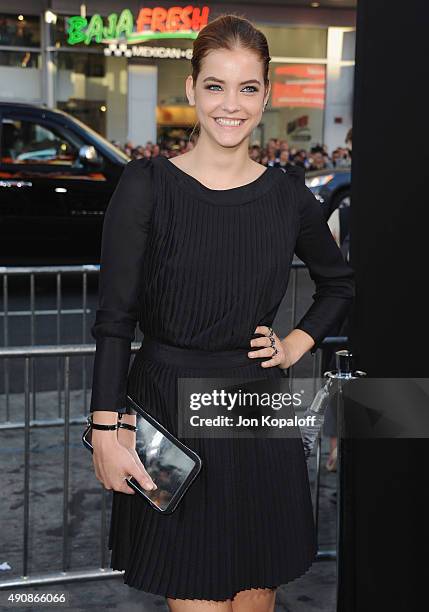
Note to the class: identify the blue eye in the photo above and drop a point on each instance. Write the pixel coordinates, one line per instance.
(251, 87)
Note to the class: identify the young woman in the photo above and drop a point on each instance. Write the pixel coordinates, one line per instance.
(199, 250)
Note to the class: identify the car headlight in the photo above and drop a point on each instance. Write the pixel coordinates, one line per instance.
(318, 181)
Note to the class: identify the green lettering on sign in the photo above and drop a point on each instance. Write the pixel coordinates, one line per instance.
(95, 29)
(110, 30)
(117, 26)
(125, 23)
(79, 30)
(75, 29)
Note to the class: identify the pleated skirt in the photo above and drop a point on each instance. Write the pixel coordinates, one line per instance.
(245, 522)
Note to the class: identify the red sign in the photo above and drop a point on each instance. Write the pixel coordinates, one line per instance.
(299, 85)
(173, 19)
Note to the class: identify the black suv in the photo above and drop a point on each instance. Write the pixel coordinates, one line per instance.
(56, 179)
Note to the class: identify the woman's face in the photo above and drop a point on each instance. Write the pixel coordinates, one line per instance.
(230, 86)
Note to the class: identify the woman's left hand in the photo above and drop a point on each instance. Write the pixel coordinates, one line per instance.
(267, 344)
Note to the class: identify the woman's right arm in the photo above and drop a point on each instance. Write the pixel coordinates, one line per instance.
(125, 231)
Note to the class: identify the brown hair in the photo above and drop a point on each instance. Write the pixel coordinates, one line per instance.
(229, 31)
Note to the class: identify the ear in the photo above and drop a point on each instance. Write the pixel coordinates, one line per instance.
(189, 87)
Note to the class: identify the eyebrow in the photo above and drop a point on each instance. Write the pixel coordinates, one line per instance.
(212, 78)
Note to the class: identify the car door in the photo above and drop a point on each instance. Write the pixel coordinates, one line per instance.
(47, 192)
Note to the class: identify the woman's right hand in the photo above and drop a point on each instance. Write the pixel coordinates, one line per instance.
(113, 464)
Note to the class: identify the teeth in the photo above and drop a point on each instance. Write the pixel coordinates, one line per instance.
(222, 121)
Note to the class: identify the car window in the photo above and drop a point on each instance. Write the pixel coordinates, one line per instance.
(24, 141)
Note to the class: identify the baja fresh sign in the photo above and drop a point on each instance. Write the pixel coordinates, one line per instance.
(151, 23)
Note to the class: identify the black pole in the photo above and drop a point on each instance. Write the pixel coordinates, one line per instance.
(384, 537)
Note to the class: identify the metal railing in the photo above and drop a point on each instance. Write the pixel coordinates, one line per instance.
(66, 419)
(29, 273)
(29, 354)
(58, 312)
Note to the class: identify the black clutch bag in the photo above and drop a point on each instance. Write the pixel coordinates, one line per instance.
(170, 463)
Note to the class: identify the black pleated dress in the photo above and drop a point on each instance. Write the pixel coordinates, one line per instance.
(200, 269)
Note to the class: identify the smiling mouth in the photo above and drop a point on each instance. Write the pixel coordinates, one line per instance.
(229, 123)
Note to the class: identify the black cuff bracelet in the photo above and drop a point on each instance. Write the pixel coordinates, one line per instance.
(127, 426)
(102, 427)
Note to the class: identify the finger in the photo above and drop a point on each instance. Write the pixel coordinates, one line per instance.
(264, 341)
(142, 478)
(275, 361)
(262, 329)
(140, 466)
(124, 487)
(263, 352)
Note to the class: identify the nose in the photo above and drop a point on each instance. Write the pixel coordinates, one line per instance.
(230, 102)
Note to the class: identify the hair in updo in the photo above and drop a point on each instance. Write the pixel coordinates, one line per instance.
(229, 31)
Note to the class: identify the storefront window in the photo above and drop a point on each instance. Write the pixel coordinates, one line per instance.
(16, 32)
(87, 64)
(20, 59)
(93, 88)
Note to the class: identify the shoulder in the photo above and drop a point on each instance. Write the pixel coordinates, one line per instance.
(305, 200)
(133, 192)
(296, 174)
(135, 175)
(136, 167)
(293, 180)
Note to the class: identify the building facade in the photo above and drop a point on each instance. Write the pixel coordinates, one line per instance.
(121, 66)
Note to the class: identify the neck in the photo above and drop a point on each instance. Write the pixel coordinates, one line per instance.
(211, 158)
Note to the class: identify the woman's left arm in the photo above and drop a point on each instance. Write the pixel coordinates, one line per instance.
(332, 275)
(333, 278)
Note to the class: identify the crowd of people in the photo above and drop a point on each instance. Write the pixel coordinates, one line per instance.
(277, 152)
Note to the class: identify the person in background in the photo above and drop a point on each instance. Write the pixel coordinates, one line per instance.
(283, 145)
(300, 159)
(129, 148)
(317, 161)
(276, 152)
(283, 160)
(340, 158)
(255, 153)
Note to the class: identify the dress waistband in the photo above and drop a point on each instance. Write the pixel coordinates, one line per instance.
(152, 348)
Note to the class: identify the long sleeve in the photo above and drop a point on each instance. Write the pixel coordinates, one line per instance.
(125, 230)
(332, 275)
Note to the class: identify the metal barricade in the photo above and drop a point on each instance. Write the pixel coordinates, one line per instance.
(30, 273)
(29, 354)
(66, 419)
